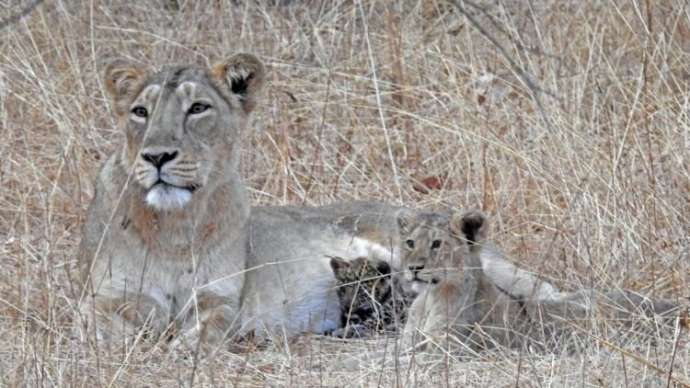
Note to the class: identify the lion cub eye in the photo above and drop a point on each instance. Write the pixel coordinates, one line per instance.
(436, 244)
(409, 243)
(140, 111)
(198, 107)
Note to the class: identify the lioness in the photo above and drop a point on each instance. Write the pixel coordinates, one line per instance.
(168, 234)
(461, 308)
(165, 239)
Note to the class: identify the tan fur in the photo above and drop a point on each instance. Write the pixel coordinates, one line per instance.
(122, 79)
(290, 285)
(165, 244)
(171, 250)
(455, 293)
(465, 311)
(448, 290)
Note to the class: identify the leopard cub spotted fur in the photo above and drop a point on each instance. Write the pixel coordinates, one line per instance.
(372, 300)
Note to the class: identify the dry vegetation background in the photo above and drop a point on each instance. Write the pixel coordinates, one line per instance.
(573, 135)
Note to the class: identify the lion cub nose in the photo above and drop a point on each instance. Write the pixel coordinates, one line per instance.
(159, 159)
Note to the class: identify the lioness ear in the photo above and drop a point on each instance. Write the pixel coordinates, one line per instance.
(338, 265)
(244, 75)
(122, 78)
(471, 226)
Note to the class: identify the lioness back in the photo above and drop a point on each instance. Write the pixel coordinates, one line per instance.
(290, 284)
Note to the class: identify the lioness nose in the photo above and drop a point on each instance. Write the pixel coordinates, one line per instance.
(158, 160)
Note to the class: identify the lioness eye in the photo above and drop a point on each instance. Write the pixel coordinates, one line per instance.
(140, 111)
(435, 244)
(410, 243)
(198, 107)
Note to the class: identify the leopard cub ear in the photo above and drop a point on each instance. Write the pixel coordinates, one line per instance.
(339, 265)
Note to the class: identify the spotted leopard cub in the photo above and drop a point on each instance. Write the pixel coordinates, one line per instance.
(372, 300)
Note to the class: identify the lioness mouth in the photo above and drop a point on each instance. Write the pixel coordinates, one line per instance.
(166, 196)
(164, 184)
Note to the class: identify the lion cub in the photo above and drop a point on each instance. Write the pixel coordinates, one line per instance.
(440, 256)
(372, 300)
(459, 308)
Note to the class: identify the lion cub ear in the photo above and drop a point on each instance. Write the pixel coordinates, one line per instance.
(122, 79)
(406, 219)
(383, 268)
(471, 226)
(244, 76)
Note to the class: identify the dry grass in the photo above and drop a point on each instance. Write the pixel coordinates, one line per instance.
(585, 174)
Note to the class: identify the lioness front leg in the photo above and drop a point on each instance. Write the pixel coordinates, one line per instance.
(124, 318)
(211, 319)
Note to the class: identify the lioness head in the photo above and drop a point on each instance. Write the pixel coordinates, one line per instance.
(183, 125)
(434, 245)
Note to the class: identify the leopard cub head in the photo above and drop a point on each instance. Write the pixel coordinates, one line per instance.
(362, 286)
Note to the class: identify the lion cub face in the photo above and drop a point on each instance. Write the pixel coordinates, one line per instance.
(435, 246)
(182, 124)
